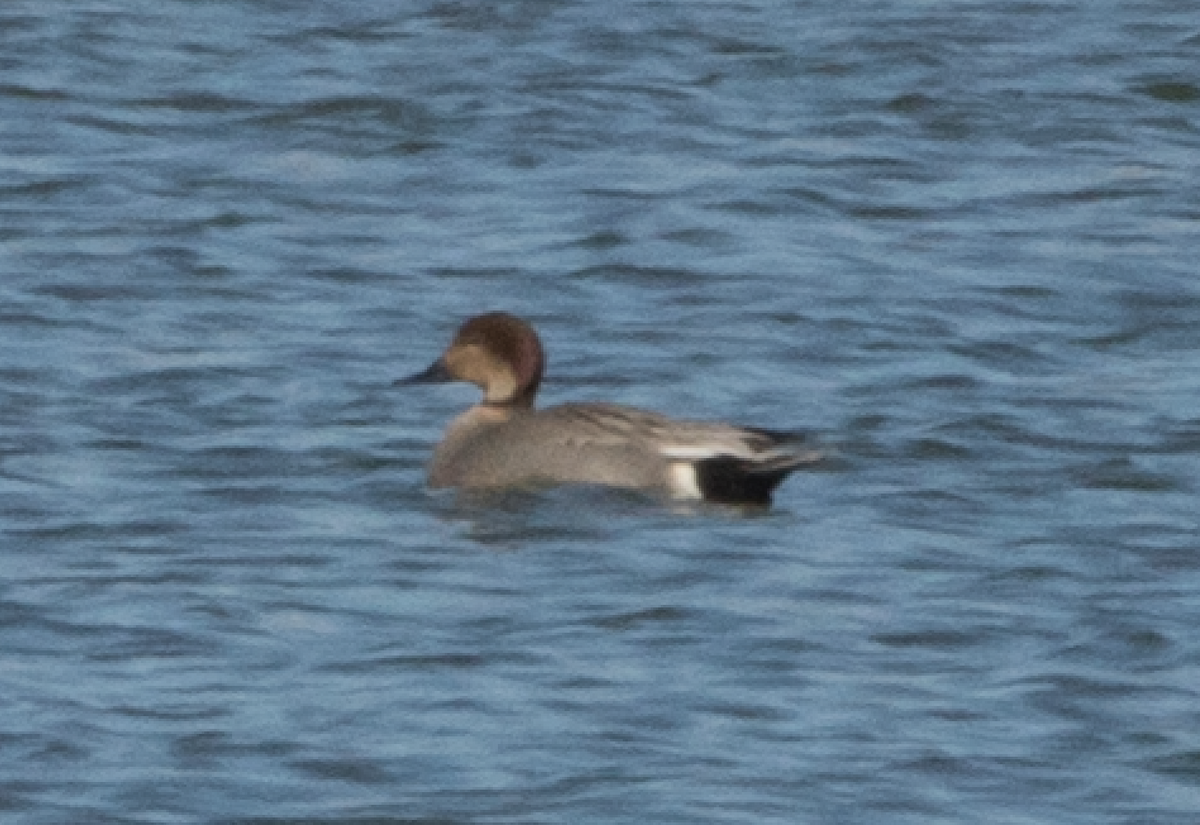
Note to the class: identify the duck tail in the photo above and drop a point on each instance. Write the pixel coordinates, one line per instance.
(729, 479)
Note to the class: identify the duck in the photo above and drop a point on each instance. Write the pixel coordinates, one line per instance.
(505, 441)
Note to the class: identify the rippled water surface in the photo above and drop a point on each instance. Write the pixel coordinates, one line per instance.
(958, 241)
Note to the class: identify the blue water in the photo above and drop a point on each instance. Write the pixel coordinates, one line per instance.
(957, 241)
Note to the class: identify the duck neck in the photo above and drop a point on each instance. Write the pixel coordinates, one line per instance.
(520, 403)
(505, 389)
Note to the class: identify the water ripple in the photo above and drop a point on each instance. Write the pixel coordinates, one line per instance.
(957, 245)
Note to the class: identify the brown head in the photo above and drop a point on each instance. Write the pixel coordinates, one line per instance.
(499, 353)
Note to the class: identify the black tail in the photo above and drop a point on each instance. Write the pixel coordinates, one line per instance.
(729, 480)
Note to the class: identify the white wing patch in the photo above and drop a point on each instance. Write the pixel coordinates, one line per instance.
(759, 456)
(693, 452)
(683, 481)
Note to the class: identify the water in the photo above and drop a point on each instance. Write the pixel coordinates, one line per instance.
(957, 240)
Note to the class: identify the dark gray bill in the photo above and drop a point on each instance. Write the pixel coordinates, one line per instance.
(436, 374)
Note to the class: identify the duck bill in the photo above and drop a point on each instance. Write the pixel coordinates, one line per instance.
(436, 374)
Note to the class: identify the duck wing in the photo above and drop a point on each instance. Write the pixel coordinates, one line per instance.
(719, 462)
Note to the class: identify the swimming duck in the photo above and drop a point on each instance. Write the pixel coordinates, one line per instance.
(503, 441)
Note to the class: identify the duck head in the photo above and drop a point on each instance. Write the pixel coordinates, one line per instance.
(497, 352)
